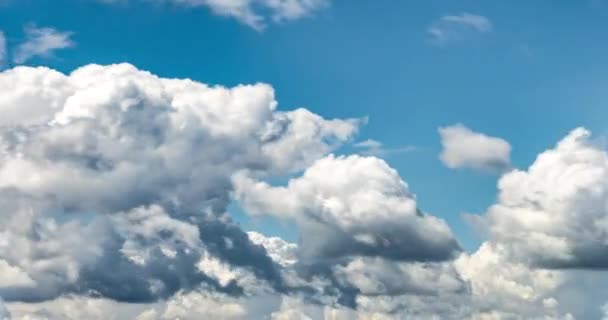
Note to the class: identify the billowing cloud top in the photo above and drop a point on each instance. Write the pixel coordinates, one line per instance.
(555, 214)
(352, 205)
(139, 166)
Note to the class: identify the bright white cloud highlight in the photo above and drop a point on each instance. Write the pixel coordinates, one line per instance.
(465, 148)
(111, 172)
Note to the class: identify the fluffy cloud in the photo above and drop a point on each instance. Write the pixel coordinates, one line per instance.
(453, 28)
(555, 214)
(114, 182)
(254, 13)
(546, 237)
(41, 42)
(464, 148)
(114, 186)
(352, 206)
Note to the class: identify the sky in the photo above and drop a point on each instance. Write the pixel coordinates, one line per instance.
(291, 144)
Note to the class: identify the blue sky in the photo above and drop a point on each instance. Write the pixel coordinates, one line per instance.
(538, 73)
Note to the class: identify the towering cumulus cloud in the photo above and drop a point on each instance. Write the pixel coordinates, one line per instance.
(555, 214)
(114, 182)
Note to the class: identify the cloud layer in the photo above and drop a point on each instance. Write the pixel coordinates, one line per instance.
(555, 214)
(139, 166)
(115, 184)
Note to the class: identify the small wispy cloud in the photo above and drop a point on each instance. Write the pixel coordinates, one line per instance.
(372, 147)
(453, 28)
(253, 13)
(41, 42)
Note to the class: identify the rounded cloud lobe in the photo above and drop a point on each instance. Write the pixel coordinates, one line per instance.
(464, 148)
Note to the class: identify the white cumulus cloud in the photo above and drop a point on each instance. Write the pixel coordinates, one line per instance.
(465, 148)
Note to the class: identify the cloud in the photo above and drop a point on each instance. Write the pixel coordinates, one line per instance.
(453, 28)
(351, 206)
(464, 148)
(554, 214)
(114, 183)
(253, 13)
(41, 42)
(476, 286)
